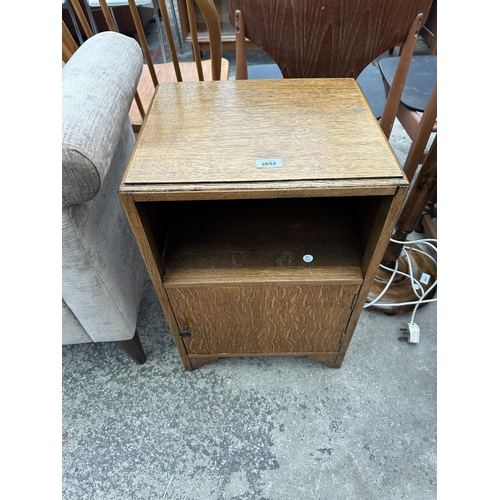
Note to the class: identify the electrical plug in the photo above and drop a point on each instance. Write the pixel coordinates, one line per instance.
(411, 333)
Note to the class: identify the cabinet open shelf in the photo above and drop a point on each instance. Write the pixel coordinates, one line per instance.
(257, 241)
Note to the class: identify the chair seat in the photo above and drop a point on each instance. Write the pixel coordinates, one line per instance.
(166, 74)
(372, 85)
(420, 80)
(264, 72)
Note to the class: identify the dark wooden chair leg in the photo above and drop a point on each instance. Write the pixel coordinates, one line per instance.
(401, 288)
(431, 211)
(133, 348)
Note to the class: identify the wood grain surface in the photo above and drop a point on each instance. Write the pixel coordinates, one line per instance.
(327, 38)
(260, 190)
(263, 319)
(166, 74)
(214, 132)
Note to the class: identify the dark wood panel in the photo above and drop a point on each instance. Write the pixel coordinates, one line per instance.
(251, 239)
(327, 38)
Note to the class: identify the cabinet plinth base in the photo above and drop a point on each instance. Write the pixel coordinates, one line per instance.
(197, 362)
(330, 360)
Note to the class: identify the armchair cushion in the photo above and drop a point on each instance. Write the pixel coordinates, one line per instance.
(96, 101)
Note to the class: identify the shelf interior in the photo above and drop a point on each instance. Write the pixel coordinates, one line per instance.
(281, 240)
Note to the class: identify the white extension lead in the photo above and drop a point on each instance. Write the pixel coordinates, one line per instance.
(413, 330)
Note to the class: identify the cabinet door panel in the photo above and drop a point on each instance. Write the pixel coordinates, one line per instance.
(267, 320)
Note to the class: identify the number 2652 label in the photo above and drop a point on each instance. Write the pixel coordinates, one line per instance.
(269, 163)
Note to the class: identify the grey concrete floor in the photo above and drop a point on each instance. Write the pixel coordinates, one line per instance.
(254, 428)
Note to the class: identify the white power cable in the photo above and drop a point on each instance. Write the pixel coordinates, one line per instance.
(407, 249)
(382, 293)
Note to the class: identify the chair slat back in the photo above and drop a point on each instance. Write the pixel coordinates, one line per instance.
(82, 18)
(147, 85)
(211, 17)
(107, 15)
(68, 40)
(327, 38)
(194, 38)
(170, 39)
(209, 12)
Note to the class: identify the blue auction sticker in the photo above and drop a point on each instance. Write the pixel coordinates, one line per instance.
(269, 163)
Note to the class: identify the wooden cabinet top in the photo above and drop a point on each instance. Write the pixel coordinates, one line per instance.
(210, 136)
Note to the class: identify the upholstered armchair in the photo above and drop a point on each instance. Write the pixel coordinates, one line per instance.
(102, 268)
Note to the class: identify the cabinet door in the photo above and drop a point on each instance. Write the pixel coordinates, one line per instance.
(263, 319)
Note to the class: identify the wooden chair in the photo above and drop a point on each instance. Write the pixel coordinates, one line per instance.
(69, 46)
(397, 292)
(330, 38)
(115, 5)
(215, 68)
(66, 5)
(417, 110)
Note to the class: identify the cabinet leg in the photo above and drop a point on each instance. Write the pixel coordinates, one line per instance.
(133, 348)
(197, 362)
(329, 359)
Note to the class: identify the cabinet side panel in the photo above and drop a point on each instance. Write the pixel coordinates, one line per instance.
(263, 319)
(144, 234)
(369, 216)
(379, 244)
